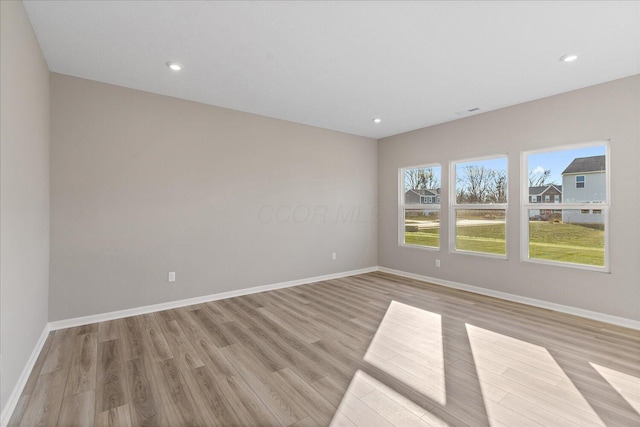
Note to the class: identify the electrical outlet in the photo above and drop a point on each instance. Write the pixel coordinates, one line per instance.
(437, 263)
(333, 256)
(172, 276)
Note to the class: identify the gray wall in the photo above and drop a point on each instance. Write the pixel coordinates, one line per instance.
(144, 184)
(24, 193)
(607, 111)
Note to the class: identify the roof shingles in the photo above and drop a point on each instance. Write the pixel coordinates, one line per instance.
(586, 164)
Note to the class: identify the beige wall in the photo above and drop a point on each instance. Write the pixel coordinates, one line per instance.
(606, 111)
(145, 184)
(24, 193)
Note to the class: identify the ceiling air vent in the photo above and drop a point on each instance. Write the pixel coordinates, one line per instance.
(467, 112)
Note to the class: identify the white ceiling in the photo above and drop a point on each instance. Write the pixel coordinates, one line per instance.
(337, 65)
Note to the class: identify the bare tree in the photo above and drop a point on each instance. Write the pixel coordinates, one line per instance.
(478, 184)
(538, 178)
(498, 187)
(475, 184)
(421, 179)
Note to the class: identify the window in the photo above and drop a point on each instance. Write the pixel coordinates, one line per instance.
(575, 233)
(419, 225)
(547, 198)
(479, 206)
(533, 199)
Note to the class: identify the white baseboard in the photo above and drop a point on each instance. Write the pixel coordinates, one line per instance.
(5, 416)
(86, 320)
(594, 315)
(22, 380)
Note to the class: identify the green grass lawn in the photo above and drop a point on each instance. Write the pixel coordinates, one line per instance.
(430, 237)
(488, 238)
(566, 242)
(556, 242)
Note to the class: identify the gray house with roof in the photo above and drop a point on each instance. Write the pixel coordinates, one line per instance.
(544, 194)
(422, 197)
(584, 181)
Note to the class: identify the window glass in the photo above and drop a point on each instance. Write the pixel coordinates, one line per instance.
(420, 207)
(422, 227)
(481, 181)
(481, 231)
(479, 211)
(572, 230)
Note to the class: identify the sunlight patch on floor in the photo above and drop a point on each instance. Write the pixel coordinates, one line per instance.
(369, 402)
(626, 385)
(519, 375)
(408, 346)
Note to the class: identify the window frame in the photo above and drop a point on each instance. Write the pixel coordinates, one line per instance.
(454, 207)
(402, 206)
(525, 206)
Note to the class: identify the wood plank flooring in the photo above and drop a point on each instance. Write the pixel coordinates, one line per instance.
(368, 350)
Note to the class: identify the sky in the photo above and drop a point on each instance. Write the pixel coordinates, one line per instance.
(557, 161)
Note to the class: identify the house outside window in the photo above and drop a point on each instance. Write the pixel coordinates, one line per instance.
(478, 206)
(543, 194)
(573, 230)
(419, 207)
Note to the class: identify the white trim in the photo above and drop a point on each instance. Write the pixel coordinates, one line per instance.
(568, 264)
(6, 414)
(420, 247)
(14, 397)
(588, 314)
(422, 207)
(526, 206)
(482, 254)
(102, 317)
(403, 206)
(454, 206)
(85, 320)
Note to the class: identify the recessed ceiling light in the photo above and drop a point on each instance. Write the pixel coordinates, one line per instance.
(174, 66)
(377, 120)
(569, 57)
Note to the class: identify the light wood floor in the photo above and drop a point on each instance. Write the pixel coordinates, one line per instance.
(369, 350)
